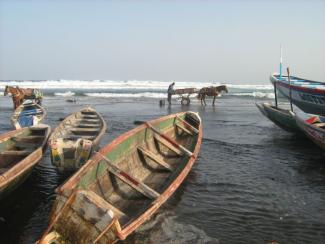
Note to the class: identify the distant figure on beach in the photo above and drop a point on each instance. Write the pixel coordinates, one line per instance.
(170, 92)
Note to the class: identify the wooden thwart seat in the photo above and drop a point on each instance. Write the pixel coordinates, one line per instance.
(196, 131)
(25, 138)
(170, 141)
(31, 145)
(78, 129)
(88, 120)
(88, 125)
(76, 137)
(130, 180)
(184, 129)
(15, 153)
(168, 145)
(154, 158)
(89, 116)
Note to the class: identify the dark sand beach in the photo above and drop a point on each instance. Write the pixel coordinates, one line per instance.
(252, 182)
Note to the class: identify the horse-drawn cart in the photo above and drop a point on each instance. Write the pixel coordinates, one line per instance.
(184, 94)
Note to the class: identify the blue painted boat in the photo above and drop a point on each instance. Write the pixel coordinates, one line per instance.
(307, 95)
(28, 114)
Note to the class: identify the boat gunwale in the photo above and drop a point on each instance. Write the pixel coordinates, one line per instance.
(311, 90)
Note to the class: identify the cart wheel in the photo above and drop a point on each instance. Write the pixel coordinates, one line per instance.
(185, 101)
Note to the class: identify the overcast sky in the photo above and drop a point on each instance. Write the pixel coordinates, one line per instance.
(226, 41)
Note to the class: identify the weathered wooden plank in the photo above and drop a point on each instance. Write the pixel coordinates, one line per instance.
(130, 180)
(25, 138)
(168, 145)
(155, 158)
(196, 131)
(170, 140)
(184, 129)
(74, 129)
(15, 153)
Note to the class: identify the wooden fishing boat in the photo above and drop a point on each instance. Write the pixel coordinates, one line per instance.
(314, 127)
(77, 136)
(307, 95)
(123, 184)
(20, 150)
(28, 114)
(284, 118)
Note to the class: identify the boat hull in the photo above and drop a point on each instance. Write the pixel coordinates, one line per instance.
(14, 171)
(101, 182)
(313, 132)
(76, 138)
(285, 119)
(307, 98)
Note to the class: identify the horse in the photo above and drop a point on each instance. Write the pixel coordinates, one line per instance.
(211, 91)
(20, 94)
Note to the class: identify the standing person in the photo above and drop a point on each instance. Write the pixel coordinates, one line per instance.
(170, 92)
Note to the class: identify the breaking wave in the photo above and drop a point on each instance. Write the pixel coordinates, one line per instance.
(132, 88)
(142, 94)
(255, 94)
(109, 84)
(65, 94)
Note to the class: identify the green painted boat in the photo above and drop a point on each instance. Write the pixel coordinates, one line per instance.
(20, 150)
(283, 118)
(123, 184)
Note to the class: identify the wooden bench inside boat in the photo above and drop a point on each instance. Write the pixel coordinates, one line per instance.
(89, 116)
(130, 180)
(17, 138)
(88, 125)
(74, 129)
(76, 137)
(88, 120)
(155, 158)
(16, 153)
(168, 145)
(184, 129)
(29, 145)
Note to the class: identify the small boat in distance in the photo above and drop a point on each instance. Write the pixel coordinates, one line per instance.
(307, 95)
(123, 184)
(28, 114)
(284, 118)
(314, 127)
(20, 150)
(76, 138)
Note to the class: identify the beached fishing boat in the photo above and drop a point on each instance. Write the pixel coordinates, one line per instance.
(76, 137)
(307, 95)
(27, 114)
(20, 150)
(123, 184)
(284, 118)
(313, 126)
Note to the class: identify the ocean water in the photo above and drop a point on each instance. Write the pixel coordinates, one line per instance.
(252, 182)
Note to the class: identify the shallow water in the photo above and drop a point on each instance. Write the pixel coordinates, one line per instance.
(252, 182)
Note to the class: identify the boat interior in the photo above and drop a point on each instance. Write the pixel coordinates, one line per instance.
(85, 124)
(140, 167)
(22, 144)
